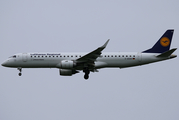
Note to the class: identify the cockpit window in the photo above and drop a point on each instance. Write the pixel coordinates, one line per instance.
(14, 56)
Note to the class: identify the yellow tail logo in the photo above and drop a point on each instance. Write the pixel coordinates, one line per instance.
(164, 41)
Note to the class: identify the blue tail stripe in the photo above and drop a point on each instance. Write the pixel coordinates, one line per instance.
(163, 44)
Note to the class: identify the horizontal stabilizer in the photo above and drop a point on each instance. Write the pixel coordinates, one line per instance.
(167, 53)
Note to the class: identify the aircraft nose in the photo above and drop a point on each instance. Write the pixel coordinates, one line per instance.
(4, 64)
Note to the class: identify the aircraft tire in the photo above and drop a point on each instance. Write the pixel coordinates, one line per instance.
(20, 74)
(86, 76)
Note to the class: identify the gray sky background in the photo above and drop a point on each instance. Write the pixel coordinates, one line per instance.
(148, 92)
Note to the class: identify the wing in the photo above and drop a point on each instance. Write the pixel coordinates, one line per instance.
(91, 57)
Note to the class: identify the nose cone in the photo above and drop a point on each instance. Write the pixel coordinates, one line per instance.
(4, 64)
(9, 63)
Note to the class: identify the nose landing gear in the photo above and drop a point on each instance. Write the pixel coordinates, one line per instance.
(20, 70)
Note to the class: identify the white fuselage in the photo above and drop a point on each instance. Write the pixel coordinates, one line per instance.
(110, 59)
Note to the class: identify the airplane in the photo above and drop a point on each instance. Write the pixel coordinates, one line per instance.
(72, 63)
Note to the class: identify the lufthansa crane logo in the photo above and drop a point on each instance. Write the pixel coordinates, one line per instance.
(164, 41)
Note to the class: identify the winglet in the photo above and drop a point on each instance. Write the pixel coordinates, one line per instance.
(105, 44)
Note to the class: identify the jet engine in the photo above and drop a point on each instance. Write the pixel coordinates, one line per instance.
(67, 72)
(66, 64)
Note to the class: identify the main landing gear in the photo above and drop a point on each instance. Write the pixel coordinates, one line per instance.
(86, 71)
(20, 70)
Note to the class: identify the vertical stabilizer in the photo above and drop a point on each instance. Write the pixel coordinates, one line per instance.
(163, 44)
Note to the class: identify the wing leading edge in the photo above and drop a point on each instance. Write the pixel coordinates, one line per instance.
(92, 56)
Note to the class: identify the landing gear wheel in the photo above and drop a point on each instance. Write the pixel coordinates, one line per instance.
(20, 70)
(86, 76)
(87, 72)
(20, 74)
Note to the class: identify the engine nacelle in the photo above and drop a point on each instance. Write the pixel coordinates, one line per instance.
(67, 72)
(66, 64)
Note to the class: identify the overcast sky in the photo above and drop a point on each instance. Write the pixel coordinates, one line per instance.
(149, 92)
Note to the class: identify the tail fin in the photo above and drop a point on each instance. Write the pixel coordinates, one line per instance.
(163, 44)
